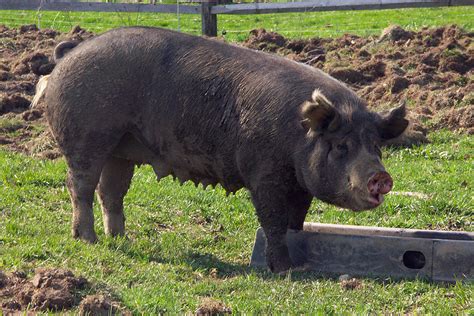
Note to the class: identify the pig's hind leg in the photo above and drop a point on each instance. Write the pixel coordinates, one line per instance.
(86, 156)
(113, 185)
(81, 184)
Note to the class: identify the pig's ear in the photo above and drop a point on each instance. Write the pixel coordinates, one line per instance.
(393, 122)
(319, 114)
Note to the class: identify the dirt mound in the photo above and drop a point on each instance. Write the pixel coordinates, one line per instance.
(14, 103)
(210, 307)
(51, 290)
(263, 40)
(432, 70)
(100, 305)
(395, 33)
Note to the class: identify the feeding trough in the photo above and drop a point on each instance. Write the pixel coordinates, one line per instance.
(378, 252)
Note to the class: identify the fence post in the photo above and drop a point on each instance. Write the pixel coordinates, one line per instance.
(208, 20)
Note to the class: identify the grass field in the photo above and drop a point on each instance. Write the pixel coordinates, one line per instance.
(237, 27)
(185, 243)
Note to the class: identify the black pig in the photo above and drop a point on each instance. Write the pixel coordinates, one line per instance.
(209, 112)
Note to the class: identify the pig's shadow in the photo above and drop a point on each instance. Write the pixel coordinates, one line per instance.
(206, 262)
(199, 261)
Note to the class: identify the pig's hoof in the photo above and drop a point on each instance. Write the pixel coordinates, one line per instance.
(298, 269)
(115, 233)
(87, 236)
(280, 266)
(114, 226)
(304, 268)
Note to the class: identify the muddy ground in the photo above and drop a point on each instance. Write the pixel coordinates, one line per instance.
(52, 290)
(432, 70)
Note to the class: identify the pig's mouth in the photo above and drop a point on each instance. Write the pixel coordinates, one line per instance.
(364, 201)
(375, 199)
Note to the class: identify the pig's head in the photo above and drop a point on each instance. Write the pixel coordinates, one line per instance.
(340, 158)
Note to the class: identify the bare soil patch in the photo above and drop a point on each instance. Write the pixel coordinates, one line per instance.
(51, 290)
(431, 69)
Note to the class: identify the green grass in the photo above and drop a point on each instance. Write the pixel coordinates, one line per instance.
(237, 27)
(178, 234)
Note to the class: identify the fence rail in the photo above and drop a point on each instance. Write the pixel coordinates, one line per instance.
(324, 5)
(70, 5)
(209, 9)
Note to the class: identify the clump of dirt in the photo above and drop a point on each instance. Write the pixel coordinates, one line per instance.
(431, 69)
(351, 284)
(395, 33)
(263, 40)
(13, 103)
(348, 283)
(100, 305)
(51, 290)
(211, 307)
(462, 117)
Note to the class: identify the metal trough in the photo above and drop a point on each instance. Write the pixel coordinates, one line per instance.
(378, 252)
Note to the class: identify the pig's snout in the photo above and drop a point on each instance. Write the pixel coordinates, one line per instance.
(379, 184)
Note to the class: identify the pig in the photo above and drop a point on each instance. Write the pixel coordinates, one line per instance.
(212, 113)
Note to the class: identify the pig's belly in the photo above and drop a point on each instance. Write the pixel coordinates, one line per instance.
(198, 169)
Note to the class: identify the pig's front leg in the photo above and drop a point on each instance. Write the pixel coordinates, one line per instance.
(275, 206)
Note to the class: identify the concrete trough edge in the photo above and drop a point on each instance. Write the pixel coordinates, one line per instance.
(365, 251)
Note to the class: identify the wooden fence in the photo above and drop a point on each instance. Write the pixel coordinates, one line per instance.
(209, 9)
